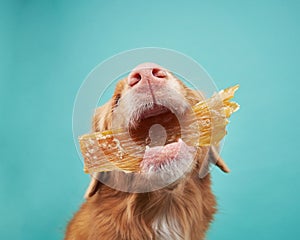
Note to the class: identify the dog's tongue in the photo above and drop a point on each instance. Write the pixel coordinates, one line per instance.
(159, 155)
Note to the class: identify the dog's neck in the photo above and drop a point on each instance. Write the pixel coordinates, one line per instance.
(179, 213)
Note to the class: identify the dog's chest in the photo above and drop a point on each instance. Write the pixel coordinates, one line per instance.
(166, 229)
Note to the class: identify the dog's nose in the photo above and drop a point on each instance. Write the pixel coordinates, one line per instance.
(150, 72)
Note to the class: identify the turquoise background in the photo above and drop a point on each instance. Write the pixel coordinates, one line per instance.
(48, 47)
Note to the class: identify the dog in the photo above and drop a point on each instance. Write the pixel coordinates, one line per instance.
(179, 210)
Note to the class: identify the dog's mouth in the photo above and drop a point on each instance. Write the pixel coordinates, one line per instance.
(156, 115)
(160, 129)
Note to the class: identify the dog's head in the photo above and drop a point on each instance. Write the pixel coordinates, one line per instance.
(153, 105)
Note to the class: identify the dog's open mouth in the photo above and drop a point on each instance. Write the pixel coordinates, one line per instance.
(159, 128)
(171, 135)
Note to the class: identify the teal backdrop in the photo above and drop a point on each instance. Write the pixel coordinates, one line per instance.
(48, 47)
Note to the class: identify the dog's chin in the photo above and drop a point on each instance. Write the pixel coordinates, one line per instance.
(165, 172)
(175, 156)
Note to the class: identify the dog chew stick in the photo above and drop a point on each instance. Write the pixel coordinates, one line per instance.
(212, 115)
(116, 150)
(102, 152)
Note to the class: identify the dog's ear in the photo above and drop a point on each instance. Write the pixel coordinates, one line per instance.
(216, 159)
(101, 121)
(92, 188)
(211, 156)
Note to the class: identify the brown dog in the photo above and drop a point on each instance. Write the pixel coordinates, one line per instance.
(181, 210)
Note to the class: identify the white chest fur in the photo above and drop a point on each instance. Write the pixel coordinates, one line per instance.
(167, 228)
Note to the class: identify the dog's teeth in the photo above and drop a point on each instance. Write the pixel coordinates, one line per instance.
(179, 140)
(173, 138)
(147, 147)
